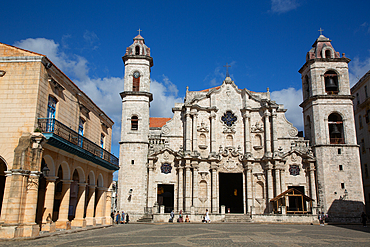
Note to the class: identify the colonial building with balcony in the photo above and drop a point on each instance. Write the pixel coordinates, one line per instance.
(55, 162)
(361, 104)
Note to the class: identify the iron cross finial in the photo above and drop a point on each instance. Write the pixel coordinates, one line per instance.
(227, 69)
(320, 30)
(139, 30)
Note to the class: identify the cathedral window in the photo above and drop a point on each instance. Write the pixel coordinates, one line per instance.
(229, 118)
(335, 129)
(327, 54)
(134, 123)
(331, 82)
(308, 128)
(137, 50)
(360, 121)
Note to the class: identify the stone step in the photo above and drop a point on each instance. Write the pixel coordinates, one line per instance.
(146, 219)
(239, 218)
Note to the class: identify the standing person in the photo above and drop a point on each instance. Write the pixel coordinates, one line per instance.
(112, 215)
(364, 219)
(172, 214)
(180, 216)
(118, 218)
(206, 217)
(123, 218)
(127, 218)
(321, 218)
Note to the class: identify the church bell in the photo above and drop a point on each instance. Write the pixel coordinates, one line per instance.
(335, 130)
(330, 84)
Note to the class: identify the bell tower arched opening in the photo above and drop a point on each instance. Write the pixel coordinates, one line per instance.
(336, 129)
(331, 82)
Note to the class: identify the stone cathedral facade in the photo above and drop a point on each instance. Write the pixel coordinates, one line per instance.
(232, 150)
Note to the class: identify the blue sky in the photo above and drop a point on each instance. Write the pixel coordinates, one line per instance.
(265, 42)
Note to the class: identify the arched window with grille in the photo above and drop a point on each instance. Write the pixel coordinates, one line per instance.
(134, 123)
(336, 129)
(328, 54)
(331, 82)
(137, 50)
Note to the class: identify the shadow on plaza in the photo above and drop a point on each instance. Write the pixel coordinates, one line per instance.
(347, 214)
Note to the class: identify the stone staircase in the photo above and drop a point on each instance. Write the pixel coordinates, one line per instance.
(237, 218)
(147, 218)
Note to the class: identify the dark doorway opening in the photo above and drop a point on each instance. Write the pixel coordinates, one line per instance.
(231, 192)
(295, 202)
(165, 196)
(2, 181)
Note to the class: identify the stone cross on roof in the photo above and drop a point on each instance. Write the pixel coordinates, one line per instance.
(139, 31)
(320, 30)
(227, 70)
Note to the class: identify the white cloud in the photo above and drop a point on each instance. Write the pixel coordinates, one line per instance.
(291, 98)
(357, 69)
(164, 98)
(75, 64)
(282, 6)
(103, 91)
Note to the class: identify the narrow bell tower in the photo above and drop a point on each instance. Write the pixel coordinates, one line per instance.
(136, 98)
(329, 125)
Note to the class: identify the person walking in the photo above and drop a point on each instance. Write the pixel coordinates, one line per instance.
(364, 219)
(123, 218)
(127, 218)
(206, 217)
(118, 218)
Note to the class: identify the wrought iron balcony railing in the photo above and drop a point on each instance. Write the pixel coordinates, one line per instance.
(50, 125)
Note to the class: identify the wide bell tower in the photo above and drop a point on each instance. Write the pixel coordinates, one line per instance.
(330, 126)
(136, 98)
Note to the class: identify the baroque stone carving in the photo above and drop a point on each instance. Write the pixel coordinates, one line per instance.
(202, 128)
(257, 128)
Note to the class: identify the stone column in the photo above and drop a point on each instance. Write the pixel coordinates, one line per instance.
(277, 181)
(274, 132)
(90, 219)
(49, 204)
(213, 133)
(14, 195)
(250, 198)
(100, 206)
(313, 185)
(195, 133)
(270, 189)
(181, 187)
(247, 133)
(282, 180)
(63, 222)
(79, 219)
(188, 130)
(195, 183)
(214, 189)
(108, 209)
(31, 205)
(187, 187)
(151, 197)
(267, 133)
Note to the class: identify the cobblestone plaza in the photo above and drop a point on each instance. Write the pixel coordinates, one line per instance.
(186, 234)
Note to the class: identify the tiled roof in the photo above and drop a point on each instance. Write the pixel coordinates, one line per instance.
(158, 121)
(206, 90)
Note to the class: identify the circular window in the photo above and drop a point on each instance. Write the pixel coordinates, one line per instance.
(229, 118)
(294, 170)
